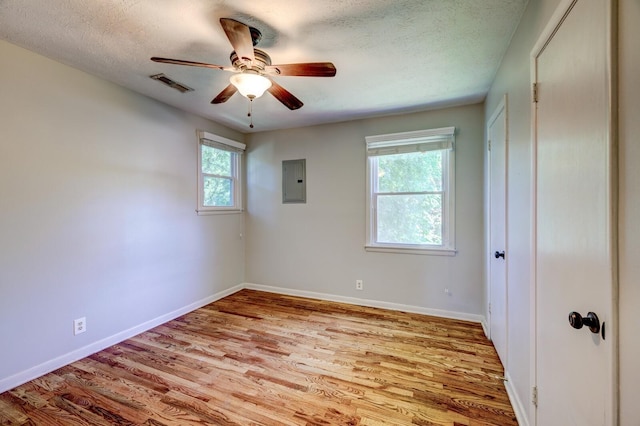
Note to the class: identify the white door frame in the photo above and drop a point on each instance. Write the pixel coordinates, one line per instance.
(502, 106)
(555, 21)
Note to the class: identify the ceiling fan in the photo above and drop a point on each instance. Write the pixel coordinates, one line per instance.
(252, 67)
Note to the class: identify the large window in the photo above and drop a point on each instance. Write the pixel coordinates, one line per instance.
(219, 173)
(411, 192)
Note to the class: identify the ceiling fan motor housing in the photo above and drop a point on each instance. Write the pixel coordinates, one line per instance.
(261, 61)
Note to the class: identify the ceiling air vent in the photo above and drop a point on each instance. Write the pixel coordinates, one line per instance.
(173, 84)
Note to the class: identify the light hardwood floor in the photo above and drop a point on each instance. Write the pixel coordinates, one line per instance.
(257, 358)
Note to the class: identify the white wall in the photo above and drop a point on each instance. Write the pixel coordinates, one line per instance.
(513, 79)
(629, 229)
(97, 213)
(319, 246)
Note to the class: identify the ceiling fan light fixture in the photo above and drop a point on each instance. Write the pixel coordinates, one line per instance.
(249, 85)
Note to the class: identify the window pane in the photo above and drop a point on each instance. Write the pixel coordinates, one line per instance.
(217, 192)
(216, 161)
(411, 172)
(410, 219)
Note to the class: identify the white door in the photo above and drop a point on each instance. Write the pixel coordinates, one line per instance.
(575, 189)
(497, 141)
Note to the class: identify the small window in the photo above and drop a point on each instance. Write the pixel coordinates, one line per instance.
(219, 174)
(411, 192)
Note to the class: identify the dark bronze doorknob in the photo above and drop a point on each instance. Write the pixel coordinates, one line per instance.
(577, 321)
(499, 254)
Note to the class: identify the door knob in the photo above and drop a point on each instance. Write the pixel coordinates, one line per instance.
(499, 254)
(591, 320)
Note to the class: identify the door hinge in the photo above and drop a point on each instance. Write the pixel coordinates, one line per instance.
(534, 396)
(489, 144)
(535, 93)
(489, 308)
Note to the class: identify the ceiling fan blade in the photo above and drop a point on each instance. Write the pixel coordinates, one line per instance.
(239, 36)
(191, 64)
(312, 69)
(224, 96)
(284, 96)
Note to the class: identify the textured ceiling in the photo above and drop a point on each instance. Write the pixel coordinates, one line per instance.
(391, 55)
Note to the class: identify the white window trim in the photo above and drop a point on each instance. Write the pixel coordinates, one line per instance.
(238, 148)
(421, 140)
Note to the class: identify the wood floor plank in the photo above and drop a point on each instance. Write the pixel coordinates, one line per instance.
(256, 358)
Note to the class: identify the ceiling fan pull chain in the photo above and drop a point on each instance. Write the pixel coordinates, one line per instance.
(250, 115)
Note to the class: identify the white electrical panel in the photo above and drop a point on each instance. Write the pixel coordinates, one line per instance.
(294, 185)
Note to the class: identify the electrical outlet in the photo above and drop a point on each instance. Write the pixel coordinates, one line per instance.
(447, 292)
(359, 285)
(79, 325)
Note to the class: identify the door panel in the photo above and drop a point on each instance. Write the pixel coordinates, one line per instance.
(497, 136)
(574, 238)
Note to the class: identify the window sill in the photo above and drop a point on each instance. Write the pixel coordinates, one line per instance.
(215, 212)
(411, 250)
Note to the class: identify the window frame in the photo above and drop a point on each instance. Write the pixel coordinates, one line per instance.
(418, 141)
(237, 150)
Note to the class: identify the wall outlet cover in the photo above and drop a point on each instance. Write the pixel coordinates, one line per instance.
(79, 326)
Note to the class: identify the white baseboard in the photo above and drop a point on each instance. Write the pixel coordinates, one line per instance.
(485, 327)
(367, 302)
(68, 358)
(51, 365)
(516, 402)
